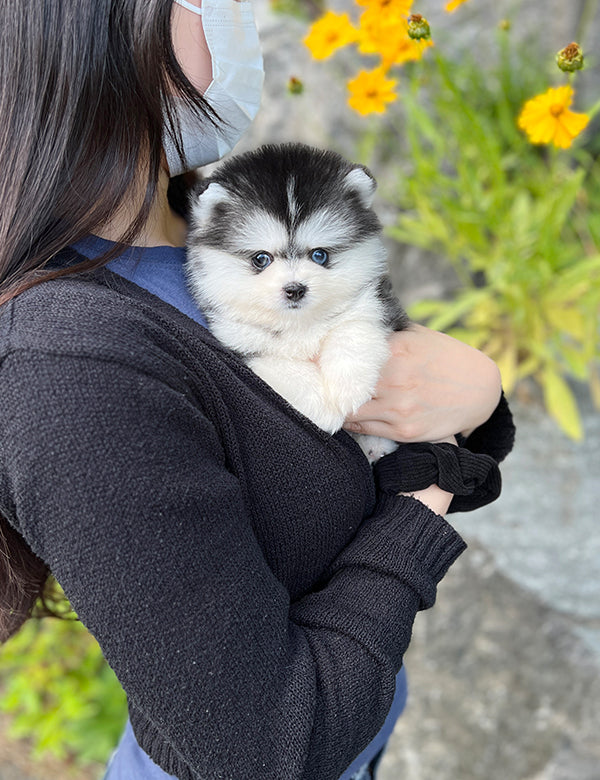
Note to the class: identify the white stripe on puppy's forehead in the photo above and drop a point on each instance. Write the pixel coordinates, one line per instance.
(292, 202)
(260, 230)
(323, 228)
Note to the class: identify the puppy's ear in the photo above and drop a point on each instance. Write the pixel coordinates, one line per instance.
(360, 181)
(205, 200)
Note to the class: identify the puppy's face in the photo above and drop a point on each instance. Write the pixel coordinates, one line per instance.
(276, 247)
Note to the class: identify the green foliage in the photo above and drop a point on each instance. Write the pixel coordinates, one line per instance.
(520, 225)
(61, 694)
(303, 9)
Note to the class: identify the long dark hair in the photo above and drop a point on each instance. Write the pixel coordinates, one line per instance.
(86, 87)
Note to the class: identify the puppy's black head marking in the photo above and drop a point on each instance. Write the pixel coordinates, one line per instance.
(293, 181)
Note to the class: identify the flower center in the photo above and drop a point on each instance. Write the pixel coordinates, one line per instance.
(556, 110)
(571, 51)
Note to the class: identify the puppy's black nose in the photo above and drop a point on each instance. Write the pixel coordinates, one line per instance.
(294, 291)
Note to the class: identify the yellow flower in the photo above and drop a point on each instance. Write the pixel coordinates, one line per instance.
(387, 35)
(453, 5)
(380, 33)
(389, 38)
(330, 33)
(400, 7)
(408, 50)
(370, 91)
(547, 119)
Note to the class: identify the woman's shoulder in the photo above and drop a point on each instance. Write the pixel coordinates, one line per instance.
(97, 315)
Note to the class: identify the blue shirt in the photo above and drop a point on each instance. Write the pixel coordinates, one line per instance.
(160, 270)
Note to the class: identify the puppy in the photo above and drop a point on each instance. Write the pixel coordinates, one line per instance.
(286, 260)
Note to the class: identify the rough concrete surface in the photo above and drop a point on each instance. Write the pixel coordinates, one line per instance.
(504, 672)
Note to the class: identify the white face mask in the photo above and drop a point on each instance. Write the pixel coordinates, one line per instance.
(235, 89)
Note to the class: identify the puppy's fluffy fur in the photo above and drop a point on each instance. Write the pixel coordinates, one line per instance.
(286, 260)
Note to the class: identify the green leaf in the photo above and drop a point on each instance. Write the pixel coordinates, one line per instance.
(572, 282)
(450, 312)
(59, 691)
(577, 362)
(561, 404)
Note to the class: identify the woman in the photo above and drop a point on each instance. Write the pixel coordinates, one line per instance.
(249, 582)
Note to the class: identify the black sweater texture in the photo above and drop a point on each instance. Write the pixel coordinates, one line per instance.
(251, 587)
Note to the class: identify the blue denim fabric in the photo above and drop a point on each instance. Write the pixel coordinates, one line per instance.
(363, 774)
(136, 765)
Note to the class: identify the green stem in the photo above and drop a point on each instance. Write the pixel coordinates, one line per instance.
(594, 110)
(590, 8)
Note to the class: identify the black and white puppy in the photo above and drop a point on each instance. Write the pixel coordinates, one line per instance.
(285, 258)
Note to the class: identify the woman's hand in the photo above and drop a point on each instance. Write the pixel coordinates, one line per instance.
(432, 387)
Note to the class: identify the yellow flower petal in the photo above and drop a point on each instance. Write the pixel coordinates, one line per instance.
(371, 91)
(575, 123)
(453, 5)
(568, 127)
(400, 7)
(410, 51)
(387, 35)
(547, 118)
(379, 34)
(329, 33)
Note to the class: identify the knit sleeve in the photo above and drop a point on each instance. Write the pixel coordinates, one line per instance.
(496, 436)
(118, 481)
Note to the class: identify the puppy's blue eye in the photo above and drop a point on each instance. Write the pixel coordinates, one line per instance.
(261, 260)
(319, 256)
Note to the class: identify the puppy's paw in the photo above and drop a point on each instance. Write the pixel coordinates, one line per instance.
(349, 395)
(330, 420)
(351, 363)
(374, 447)
(316, 407)
(301, 384)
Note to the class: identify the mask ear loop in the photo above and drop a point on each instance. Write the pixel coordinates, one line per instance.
(193, 8)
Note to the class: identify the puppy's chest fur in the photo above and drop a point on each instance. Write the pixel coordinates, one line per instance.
(326, 369)
(286, 260)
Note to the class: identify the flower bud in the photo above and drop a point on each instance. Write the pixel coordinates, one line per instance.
(418, 28)
(570, 58)
(295, 86)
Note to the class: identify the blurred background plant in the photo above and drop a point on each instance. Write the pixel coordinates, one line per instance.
(60, 694)
(487, 175)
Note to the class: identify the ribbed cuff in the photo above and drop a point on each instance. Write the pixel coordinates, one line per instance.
(406, 540)
(473, 478)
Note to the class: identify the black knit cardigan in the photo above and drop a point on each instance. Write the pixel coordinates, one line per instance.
(251, 587)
